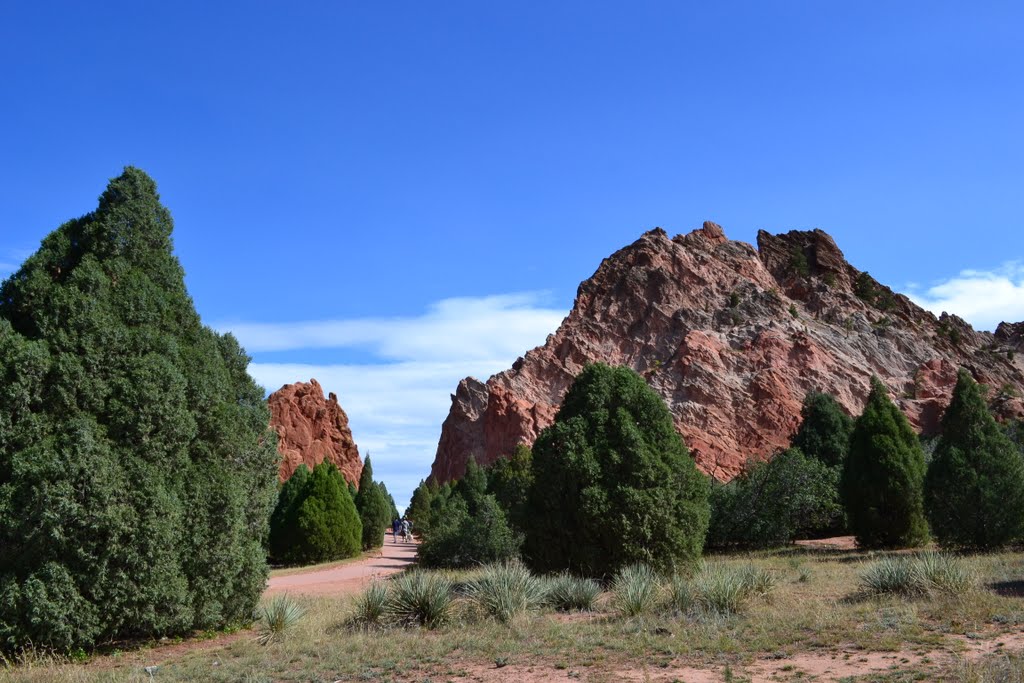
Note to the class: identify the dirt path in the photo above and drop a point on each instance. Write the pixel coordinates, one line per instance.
(348, 578)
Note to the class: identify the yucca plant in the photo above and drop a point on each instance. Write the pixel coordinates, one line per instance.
(420, 598)
(568, 593)
(681, 597)
(896, 575)
(944, 573)
(504, 591)
(371, 606)
(720, 589)
(278, 618)
(634, 590)
(757, 581)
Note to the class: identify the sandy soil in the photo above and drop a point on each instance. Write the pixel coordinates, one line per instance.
(348, 578)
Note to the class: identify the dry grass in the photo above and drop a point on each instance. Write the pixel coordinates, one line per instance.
(816, 608)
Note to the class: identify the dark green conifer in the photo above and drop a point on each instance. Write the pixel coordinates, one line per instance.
(137, 470)
(613, 482)
(974, 489)
(374, 511)
(883, 478)
(824, 430)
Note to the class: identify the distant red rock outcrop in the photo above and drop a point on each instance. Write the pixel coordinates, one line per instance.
(733, 338)
(311, 429)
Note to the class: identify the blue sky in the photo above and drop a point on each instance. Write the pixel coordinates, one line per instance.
(389, 196)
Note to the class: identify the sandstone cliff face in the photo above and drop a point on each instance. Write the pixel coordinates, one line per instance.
(733, 337)
(311, 429)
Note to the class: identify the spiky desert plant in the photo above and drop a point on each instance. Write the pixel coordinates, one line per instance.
(634, 590)
(504, 591)
(720, 589)
(371, 605)
(568, 593)
(895, 575)
(278, 618)
(421, 598)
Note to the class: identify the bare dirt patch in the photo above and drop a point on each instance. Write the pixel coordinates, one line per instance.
(348, 578)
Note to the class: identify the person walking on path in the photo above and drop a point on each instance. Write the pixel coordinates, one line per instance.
(396, 527)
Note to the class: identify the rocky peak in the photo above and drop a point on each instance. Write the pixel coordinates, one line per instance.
(733, 338)
(311, 430)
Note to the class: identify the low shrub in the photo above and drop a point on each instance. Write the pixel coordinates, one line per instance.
(278, 618)
(917, 575)
(567, 593)
(504, 591)
(634, 590)
(680, 594)
(372, 605)
(720, 589)
(420, 598)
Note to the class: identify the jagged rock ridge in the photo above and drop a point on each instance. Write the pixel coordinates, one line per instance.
(733, 337)
(311, 429)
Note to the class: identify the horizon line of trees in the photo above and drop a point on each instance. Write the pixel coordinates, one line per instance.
(608, 483)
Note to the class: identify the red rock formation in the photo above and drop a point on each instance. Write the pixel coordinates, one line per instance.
(733, 338)
(311, 430)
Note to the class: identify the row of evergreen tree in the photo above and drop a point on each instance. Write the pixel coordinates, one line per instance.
(320, 517)
(610, 482)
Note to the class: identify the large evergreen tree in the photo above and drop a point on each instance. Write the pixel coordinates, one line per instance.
(974, 489)
(509, 480)
(374, 511)
(613, 482)
(883, 478)
(315, 519)
(824, 430)
(137, 470)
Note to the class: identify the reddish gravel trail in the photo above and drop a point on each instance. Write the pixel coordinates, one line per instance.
(348, 578)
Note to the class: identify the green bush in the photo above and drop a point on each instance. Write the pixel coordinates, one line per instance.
(568, 593)
(883, 477)
(634, 590)
(374, 509)
(825, 430)
(464, 540)
(613, 483)
(772, 503)
(315, 519)
(420, 598)
(974, 489)
(137, 470)
(509, 480)
(507, 590)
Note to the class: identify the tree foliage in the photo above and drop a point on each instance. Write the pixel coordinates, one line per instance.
(464, 539)
(825, 429)
(773, 503)
(883, 478)
(509, 480)
(974, 489)
(374, 510)
(315, 519)
(613, 482)
(137, 470)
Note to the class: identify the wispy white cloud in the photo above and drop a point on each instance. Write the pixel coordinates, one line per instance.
(396, 405)
(983, 298)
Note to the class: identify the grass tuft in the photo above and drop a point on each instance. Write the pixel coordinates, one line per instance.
(567, 593)
(918, 575)
(505, 591)
(372, 605)
(278, 618)
(420, 598)
(634, 590)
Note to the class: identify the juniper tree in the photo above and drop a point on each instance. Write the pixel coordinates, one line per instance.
(137, 470)
(974, 489)
(613, 482)
(824, 429)
(883, 477)
(374, 511)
